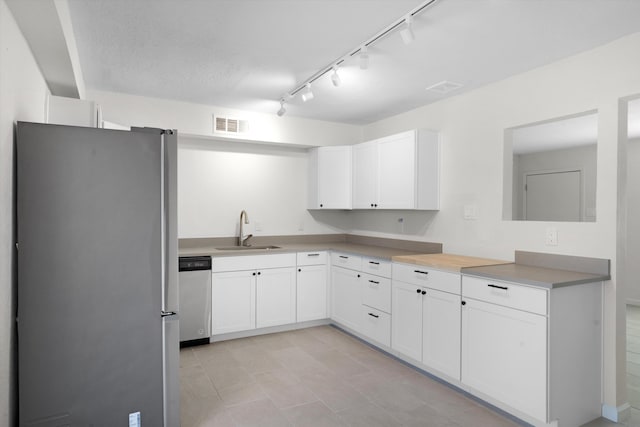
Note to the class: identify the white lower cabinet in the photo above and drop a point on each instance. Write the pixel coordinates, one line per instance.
(346, 297)
(252, 291)
(376, 325)
(406, 331)
(312, 292)
(441, 332)
(275, 297)
(504, 355)
(426, 321)
(233, 302)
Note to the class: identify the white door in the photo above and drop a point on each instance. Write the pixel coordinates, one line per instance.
(365, 175)
(312, 293)
(406, 324)
(554, 196)
(397, 172)
(334, 177)
(441, 332)
(504, 355)
(233, 306)
(346, 299)
(275, 296)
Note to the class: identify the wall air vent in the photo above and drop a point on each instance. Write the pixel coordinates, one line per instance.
(229, 125)
(444, 87)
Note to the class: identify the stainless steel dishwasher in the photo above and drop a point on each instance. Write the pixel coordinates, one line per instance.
(195, 300)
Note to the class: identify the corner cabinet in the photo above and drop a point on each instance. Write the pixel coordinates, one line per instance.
(330, 178)
(398, 172)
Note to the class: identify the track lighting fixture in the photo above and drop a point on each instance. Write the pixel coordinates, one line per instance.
(307, 95)
(335, 77)
(407, 32)
(364, 57)
(361, 53)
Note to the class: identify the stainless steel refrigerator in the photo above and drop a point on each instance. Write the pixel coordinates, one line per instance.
(98, 333)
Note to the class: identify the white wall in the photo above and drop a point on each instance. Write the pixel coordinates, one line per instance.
(633, 225)
(473, 127)
(197, 119)
(22, 97)
(216, 181)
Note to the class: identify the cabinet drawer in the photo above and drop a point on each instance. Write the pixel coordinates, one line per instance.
(376, 266)
(422, 276)
(508, 294)
(340, 259)
(376, 292)
(312, 258)
(376, 325)
(252, 262)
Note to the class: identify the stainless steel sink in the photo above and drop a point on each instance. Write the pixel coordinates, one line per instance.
(247, 248)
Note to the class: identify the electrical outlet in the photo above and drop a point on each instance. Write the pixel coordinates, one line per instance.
(258, 226)
(551, 236)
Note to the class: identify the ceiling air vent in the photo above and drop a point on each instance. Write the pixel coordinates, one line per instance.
(444, 87)
(229, 125)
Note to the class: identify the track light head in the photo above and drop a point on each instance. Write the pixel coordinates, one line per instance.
(364, 58)
(307, 95)
(407, 32)
(282, 110)
(335, 77)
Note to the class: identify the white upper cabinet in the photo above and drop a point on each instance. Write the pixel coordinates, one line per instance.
(398, 172)
(330, 177)
(365, 182)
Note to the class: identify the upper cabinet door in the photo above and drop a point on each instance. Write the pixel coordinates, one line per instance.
(397, 172)
(330, 169)
(365, 175)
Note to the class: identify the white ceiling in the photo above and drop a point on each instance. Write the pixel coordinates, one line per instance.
(246, 54)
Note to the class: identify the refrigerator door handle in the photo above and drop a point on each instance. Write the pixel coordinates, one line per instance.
(168, 313)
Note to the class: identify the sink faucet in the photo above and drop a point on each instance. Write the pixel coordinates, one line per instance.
(244, 219)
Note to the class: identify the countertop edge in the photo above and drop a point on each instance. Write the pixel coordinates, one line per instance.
(530, 282)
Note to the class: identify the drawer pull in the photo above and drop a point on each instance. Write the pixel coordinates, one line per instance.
(504, 288)
(421, 272)
(343, 257)
(313, 254)
(373, 262)
(374, 282)
(373, 315)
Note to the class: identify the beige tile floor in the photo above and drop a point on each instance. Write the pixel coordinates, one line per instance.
(319, 377)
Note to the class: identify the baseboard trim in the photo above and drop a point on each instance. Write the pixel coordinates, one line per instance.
(616, 414)
(633, 301)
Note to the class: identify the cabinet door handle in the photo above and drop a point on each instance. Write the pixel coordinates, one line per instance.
(374, 282)
(373, 315)
(320, 204)
(343, 257)
(504, 288)
(424, 292)
(254, 273)
(463, 303)
(418, 290)
(421, 272)
(313, 254)
(358, 275)
(299, 269)
(373, 262)
(259, 273)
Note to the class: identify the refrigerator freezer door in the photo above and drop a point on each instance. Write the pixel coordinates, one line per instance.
(90, 335)
(171, 365)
